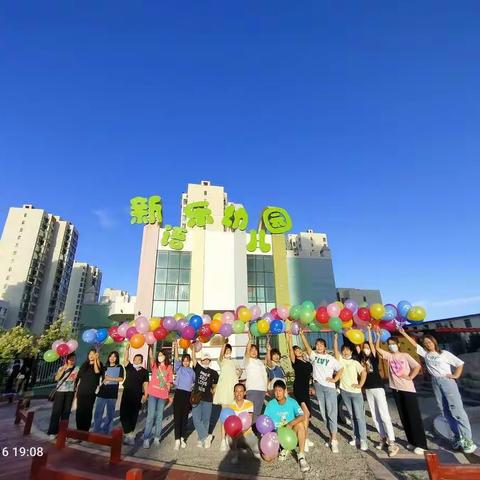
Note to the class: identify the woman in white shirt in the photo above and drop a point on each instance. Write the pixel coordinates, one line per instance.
(449, 401)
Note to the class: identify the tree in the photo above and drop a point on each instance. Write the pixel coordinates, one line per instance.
(16, 341)
(56, 331)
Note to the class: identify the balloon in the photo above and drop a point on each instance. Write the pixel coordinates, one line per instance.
(263, 326)
(171, 337)
(142, 325)
(198, 346)
(215, 325)
(315, 326)
(206, 319)
(131, 332)
(238, 309)
(287, 438)
(122, 329)
(228, 317)
(308, 305)
(150, 338)
(377, 311)
(254, 329)
(390, 312)
(256, 312)
(295, 328)
(137, 340)
(322, 315)
(205, 331)
(188, 333)
(233, 425)
(56, 344)
(357, 337)
(108, 341)
(238, 326)
(178, 316)
(51, 356)
(102, 334)
(89, 336)
(225, 413)
(264, 424)
(169, 323)
(269, 445)
(360, 323)
(203, 339)
(184, 343)
(345, 315)
(351, 305)
(225, 330)
(217, 316)
(181, 324)
(268, 317)
(333, 310)
(384, 335)
(246, 419)
(244, 314)
(283, 312)
(335, 324)
(416, 314)
(154, 323)
(307, 316)
(195, 321)
(113, 331)
(63, 349)
(348, 324)
(160, 333)
(364, 314)
(295, 312)
(403, 307)
(277, 326)
(72, 345)
(274, 313)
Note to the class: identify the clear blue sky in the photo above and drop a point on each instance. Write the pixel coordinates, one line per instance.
(361, 118)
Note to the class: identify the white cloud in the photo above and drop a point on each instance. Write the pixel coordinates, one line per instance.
(104, 218)
(452, 302)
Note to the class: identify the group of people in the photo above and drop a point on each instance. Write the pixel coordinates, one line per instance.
(352, 370)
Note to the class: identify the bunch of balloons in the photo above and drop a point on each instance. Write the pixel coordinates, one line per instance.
(271, 441)
(60, 348)
(234, 424)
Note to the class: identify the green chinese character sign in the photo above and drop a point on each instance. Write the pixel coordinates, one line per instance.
(146, 210)
(174, 237)
(198, 214)
(235, 218)
(276, 220)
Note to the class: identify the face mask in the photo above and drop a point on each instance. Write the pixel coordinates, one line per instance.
(161, 359)
(348, 358)
(393, 348)
(366, 351)
(228, 355)
(137, 367)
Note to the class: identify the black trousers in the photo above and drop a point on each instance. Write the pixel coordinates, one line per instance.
(129, 410)
(181, 409)
(85, 404)
(61, 408)
(409, 411)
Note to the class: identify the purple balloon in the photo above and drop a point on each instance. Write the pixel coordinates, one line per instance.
(169, 323)
(181, 324)
(351, 305)
(269, 445)
(131, 332)
(225, 330)
(295, 328)
(188, 333)
(264, 424)
(269, 317)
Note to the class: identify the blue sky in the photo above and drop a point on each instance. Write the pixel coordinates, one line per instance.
(361, 118)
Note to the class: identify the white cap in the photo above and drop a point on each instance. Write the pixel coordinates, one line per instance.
(206, 356)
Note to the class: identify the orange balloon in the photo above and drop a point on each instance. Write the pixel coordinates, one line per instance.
(204, 339)
(215, 325)
(184, 343)
(137, 340)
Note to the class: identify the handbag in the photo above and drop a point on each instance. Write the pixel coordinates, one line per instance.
(195, 397)
(66, 374)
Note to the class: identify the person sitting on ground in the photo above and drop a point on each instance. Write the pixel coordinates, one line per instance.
(286, 412)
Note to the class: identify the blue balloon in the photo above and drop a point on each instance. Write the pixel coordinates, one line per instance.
(403, 307)
(384, 335)
(225, 413)
(390, 313)
(195, 321)
(102, 334)
(276, 327)
(89, 336)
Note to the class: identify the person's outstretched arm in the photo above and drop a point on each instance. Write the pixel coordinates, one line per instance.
(249, 344)
(336, 351)
(268, 356)
(370, 340)
(291, 354)
(305, 343)
(405, 335)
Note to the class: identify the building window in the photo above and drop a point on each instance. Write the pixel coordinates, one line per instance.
(172, 283)
(261, 282)
(468, 323)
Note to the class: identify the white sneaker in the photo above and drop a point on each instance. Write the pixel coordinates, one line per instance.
(418, 451)
(146, 444)
(52, 436)
(309, 443)
(353, 442)
(363, 445)
(199, 444)
(306, 449)
(283, 455)
(183, 444)
(223, 445)
(304, 466)
(177, 445)
(208, 441)
(334, 446)
(156, 441)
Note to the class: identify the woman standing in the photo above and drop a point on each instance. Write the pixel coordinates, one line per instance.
(134, 394)
(224, 393)
(88, 379)
(449, 401)
(107, 395)
(256, 375)
(158, 390)
(376, 398)
(64, 393)
(184, 381)
(402, 370)
(274, 369)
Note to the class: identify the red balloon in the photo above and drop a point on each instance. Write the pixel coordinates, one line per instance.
(233, 426)
(205, 331)
(363, 314)
(63, 349)
(322, 315)
(345, 315)
(117, 338)
(112, 331)
(131, 332)
(160, 333)
(274, 312)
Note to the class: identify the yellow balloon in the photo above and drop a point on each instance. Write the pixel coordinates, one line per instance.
(356, 336)
(377, 311)
(263, 326)
(217, 316)
(348, 324)
(340, 304)
(178, 316)
(154, 323)
(417, 314)
(245, 314)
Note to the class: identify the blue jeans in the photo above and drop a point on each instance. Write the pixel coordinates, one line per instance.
(201, 418)
(450, 404)
(103, 424)
(355, 407)
(327, 403)
(154, 416)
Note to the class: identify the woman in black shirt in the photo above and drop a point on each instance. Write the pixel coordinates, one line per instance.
(88, 379)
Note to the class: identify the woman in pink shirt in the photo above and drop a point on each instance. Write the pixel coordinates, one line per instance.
(158, 390)
(402, 370)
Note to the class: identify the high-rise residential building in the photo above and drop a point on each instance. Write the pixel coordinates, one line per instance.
(37, 250)
(3, 313)
(359, 295)
(84, 287)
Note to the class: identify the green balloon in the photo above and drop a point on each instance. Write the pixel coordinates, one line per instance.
(295, 312)
(315, 327)
(171, 337)
(308, 305)
(287, 438)
(238, 326)
(335, 324)
(50, 356)
(307, 316)
(254, 329)
(108, 341)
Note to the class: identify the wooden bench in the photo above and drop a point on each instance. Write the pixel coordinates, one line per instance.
(114, 441)
(23, 415)
(40, 471)
(450, 471)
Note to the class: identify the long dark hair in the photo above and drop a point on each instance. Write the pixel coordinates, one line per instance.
(167, 359)
(434, 341)
(117, 357)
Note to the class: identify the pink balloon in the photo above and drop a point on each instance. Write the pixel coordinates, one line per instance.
(283, 312)
(391, 325)
(206, 319)
(122, 329)
(142, 325)
(246, 419)
(228, 317)
(359, 322)
(256, 312)
(188, 333)
(56, 344)
(295, 328)
(150, 338)
(72, 345)
(333, 310)
(131, 332)
(197, 346)
(270, 445)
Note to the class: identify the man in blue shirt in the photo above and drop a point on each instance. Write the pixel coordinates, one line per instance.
(286, 412)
